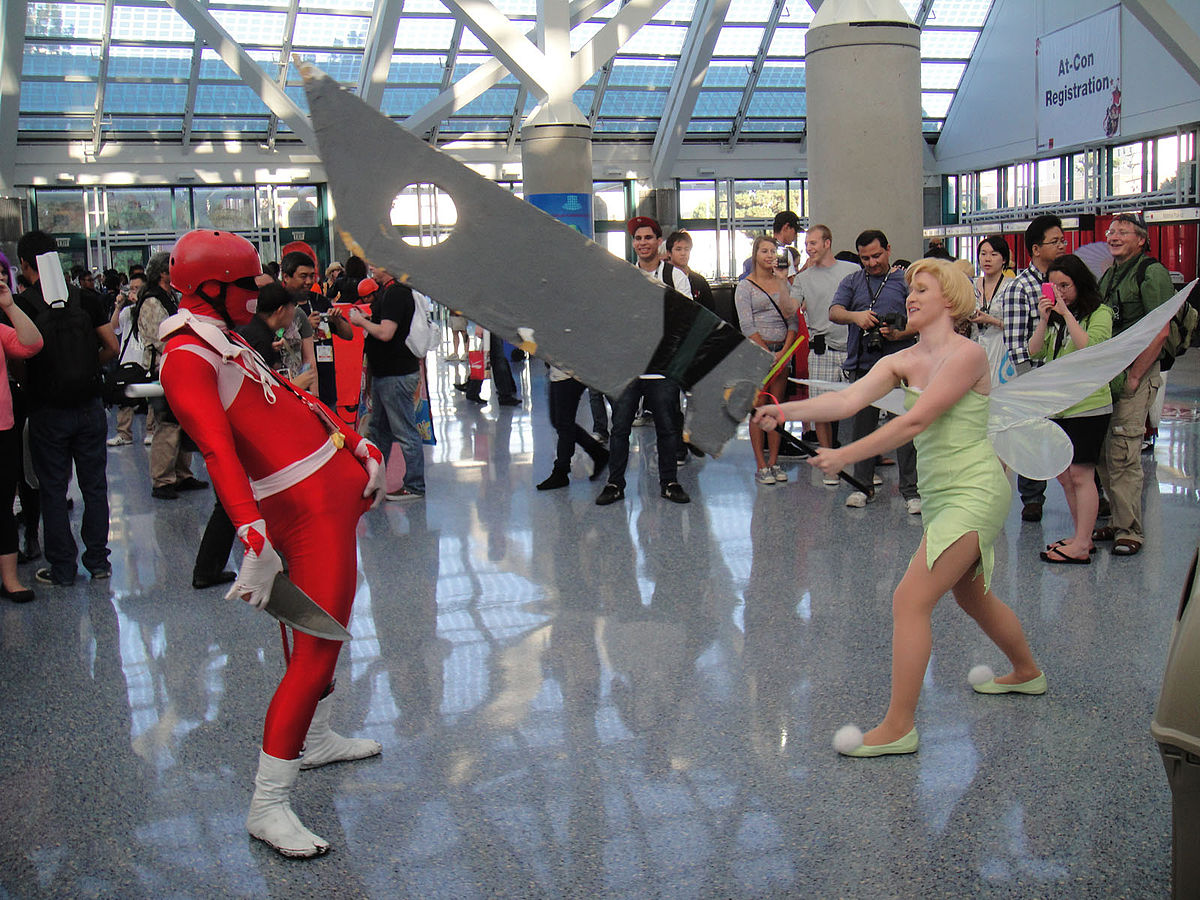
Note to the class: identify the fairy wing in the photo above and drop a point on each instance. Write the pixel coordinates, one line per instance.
(1018, 425)
(892, 401)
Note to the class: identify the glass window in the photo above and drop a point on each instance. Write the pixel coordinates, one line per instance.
(947, 44)
(183, 209)
(297, 206)
(69, 20)
(943, 76)
(227, 208)
(147, 209)
(1127, 170)
(608, 202)
(989, 189)
(258, 29)
(1011, 188)
(60, 212)
(697, 200)
(330, 31)
(798, 197)
(788, 40)
(1166, 162)
(1049, 180)
(57, 60)
(705, 258)
(738, 41)
(656, 40)
(757, 202)
(150, 23)
(1082, 175)
(950, 195)
(935, 105)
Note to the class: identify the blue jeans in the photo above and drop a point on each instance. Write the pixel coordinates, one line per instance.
(59, 438)
(662, 400)
(395, 419)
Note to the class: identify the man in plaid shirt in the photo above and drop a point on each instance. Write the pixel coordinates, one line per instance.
(1045, 243)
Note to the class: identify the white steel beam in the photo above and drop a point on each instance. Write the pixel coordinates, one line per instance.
(245, 68)
(12, 52)
(685, 87)
(478, 80)
(1169, 28)
(377, 54)
(515, 50)
(189, 107)
(605, 43)
(448, 71)
(102, 76)
(285, 61)
(755, 72)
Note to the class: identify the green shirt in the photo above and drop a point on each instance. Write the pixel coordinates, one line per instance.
(1130, 300)
(1099, 327)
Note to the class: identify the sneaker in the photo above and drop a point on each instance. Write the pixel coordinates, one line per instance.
(509, 401)
(148, 440)
(101, 573)
(857, 500)
(610, 493)
(405, 494)
(119, 441)
(913, 505)
(674, 492)
(165, 492)
(876, 480)
(765, 476)
(831, 480)
(780, 476)
(557, 479)
(46, 576)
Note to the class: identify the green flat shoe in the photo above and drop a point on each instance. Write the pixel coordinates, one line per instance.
(1033, 686)
(906, 744)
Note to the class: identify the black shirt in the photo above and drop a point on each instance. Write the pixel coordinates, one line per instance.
(258, 334)
(395, 303)
(32, 304)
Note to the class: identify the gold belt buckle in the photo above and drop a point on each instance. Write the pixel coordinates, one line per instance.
(338, 439)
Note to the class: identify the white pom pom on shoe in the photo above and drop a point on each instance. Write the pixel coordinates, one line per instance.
(980, 675)
(847, 738)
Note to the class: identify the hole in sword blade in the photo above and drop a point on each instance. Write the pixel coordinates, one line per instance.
(424, 215)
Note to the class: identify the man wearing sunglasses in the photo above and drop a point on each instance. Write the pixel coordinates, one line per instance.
(1045, 242)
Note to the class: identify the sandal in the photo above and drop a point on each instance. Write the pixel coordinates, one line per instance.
(1104, 533)
(1062, 541)
(1126, 547)
(1055, 555)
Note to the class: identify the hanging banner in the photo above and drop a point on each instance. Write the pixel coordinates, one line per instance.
(1079, 82)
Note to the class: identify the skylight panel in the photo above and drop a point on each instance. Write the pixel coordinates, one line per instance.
(739, 41)
(150, 24)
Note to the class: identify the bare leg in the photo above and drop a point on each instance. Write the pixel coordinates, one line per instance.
(824, 434)
(756, 444)
(912, 606)
(1087, 506)
(8, 572)
(1000, 624)
(1068, 486)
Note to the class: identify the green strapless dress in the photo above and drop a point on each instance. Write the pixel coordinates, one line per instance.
(962, 484)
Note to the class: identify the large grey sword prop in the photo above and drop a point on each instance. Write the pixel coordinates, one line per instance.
(526, 276)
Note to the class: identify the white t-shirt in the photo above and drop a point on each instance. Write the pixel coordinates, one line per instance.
(131, 350)
(815, 287)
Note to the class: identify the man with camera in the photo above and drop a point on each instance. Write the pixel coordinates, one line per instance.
(298, 274)
(871, 302)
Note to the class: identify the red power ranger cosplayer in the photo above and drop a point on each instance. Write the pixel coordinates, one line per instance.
(289, 475)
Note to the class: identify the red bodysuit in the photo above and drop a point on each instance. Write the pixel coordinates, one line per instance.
(272, 457)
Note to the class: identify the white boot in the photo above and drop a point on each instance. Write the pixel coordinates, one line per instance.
(271, 819)
(323, 745)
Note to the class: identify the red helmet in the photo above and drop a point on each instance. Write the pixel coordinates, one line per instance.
(220, 268)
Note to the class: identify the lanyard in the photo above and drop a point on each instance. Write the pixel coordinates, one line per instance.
(875, 296)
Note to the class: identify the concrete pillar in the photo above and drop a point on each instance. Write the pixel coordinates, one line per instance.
(556, 165)
(865, 148)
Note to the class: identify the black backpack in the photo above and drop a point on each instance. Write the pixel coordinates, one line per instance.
(68, 363)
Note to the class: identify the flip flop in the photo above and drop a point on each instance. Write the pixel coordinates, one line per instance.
(1055, 555)
(1059, 543)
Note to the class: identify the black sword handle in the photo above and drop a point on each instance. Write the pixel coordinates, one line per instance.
(796, 445)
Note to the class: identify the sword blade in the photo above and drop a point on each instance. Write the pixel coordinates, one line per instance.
(294, 608)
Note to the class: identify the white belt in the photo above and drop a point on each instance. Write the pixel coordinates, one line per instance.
(294, 473)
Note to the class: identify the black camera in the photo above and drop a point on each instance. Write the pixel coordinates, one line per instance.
(873, 340)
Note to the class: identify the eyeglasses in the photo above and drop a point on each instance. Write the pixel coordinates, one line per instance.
(1120, 232)
(1057, 242)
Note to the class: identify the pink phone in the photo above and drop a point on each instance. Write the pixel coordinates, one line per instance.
(1048, 291)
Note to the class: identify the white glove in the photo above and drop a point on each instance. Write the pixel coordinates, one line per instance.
(260, 565)
(372, 461)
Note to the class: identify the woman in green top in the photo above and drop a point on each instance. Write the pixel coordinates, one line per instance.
(1072, 319)
(963, 488)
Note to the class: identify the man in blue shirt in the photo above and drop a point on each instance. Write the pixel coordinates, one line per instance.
(871, 303)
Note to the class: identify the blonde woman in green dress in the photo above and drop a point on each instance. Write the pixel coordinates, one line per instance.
(966, 496)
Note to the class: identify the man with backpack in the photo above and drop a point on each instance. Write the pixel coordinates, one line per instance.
(170, 469)
(1136, 284)
(67, 424)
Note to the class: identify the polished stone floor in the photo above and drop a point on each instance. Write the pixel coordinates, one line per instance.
(633, 701)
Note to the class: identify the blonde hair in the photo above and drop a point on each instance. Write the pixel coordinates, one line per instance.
(966, 267)
(956, 287)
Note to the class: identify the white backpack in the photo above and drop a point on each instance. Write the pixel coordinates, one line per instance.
(423, 335)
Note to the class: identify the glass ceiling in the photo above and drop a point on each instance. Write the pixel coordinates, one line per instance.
(153, 80)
